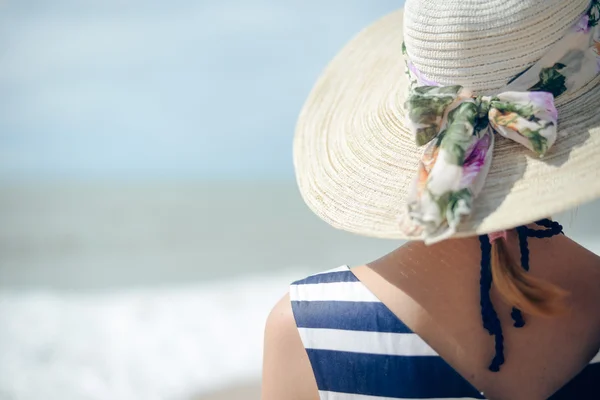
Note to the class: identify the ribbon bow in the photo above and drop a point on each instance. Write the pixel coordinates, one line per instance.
(459, 130)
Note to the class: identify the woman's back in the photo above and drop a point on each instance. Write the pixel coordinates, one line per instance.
(425, 339)
(491, 125)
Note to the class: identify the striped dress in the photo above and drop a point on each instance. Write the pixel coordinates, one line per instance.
(359, 350)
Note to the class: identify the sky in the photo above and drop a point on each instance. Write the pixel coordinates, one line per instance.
(115, 89)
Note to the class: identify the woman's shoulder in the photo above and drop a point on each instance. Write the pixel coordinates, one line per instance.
(287, 372)
(281, 317)
(281, 326)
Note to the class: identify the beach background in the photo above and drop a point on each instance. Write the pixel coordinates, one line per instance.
(149, 217)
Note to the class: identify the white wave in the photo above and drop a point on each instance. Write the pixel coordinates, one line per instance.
(168, 343)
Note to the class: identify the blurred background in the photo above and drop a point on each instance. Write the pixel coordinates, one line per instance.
(149, 214)
(148, 207)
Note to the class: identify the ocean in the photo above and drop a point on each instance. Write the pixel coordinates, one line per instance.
(150, 290)
(158, 290)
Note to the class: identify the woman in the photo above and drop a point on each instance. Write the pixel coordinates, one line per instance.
(492, 127)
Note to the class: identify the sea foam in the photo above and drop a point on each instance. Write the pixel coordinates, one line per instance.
(160, 343)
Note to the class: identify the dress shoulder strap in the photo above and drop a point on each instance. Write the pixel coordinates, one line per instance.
(358, 348)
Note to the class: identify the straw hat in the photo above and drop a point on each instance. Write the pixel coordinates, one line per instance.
(355, 159)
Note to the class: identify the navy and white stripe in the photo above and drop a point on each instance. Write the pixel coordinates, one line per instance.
(359, 350)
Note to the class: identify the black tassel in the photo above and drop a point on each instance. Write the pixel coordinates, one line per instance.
(490, 319)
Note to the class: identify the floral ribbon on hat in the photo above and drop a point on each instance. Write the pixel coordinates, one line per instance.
(458, 128)
(460, 131)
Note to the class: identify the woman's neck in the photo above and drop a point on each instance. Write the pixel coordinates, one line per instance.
(451, 269)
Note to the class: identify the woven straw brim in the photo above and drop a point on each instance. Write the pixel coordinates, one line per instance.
(355, 159)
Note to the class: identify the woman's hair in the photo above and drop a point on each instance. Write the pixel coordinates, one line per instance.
(531, 295)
